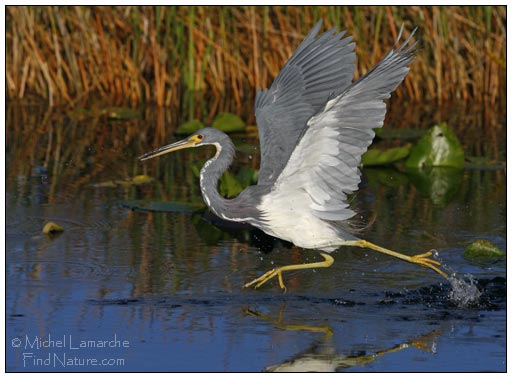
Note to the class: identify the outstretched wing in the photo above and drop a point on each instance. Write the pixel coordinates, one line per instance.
(320, 67)
(325, 164)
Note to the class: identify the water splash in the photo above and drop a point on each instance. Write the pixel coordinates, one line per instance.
(464, 292)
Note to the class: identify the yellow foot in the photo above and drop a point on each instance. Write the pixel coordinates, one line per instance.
(279, 271)
(267, 276)
(424, 260)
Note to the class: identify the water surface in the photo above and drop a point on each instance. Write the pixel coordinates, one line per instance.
(140, 290)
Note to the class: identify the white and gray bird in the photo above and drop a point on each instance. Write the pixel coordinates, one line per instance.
(314, 124)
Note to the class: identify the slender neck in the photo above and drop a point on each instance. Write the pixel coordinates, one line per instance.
(210, 175)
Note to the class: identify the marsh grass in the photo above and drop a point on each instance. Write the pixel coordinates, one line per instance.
(201, 60)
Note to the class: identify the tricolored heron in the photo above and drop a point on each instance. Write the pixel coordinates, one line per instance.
(314, 124)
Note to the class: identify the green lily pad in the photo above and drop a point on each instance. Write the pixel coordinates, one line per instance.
(402, 134)
(189, 127)
(483, 250)
(384, 157)
(229, 123)
(439, 147)
(161, 206)
(121, 113)
(439, 184)
(229, 185)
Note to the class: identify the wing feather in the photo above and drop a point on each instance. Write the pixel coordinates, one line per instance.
(319, 68)
(325, 163)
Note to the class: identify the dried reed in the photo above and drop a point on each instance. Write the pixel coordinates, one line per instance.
(199, 60)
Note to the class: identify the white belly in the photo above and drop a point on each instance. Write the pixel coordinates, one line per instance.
(290, 218)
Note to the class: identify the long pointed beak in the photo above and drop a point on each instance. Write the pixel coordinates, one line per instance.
(185, 143)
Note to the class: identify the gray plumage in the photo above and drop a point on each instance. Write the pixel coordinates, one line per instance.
(319, 68)
(314, 124)
(326, 161)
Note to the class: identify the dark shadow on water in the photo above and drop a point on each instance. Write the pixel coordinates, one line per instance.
(433, 297)
(213, 229)
(427, 309)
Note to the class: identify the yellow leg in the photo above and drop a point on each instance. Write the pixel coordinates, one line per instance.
(422, 259)
(279, 271)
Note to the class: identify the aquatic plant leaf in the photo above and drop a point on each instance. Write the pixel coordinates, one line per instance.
(439, 184)
(52, 228)
(483, 250)
(229, 185)
(141, 179)
(105, 184)
(137, 180)
(439, 147)
(121, 113)
(229, 123)
(160, 206)
(383, 157)
(189, 127)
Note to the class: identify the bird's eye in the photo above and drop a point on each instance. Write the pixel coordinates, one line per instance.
(199, 136)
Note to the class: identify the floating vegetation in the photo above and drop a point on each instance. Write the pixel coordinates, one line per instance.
(483, 251)
(439, 147)
(189, 127)
(229, 185)
(134, 181)
(384, 157)
(229, 123)
(52, 229)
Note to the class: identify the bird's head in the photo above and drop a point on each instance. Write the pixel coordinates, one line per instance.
(206, 136)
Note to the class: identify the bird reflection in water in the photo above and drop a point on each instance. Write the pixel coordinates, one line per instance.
(322, 355)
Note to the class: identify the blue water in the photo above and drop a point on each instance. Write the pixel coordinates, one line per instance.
(131, 290)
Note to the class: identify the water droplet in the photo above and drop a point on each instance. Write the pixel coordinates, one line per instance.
(463, 293)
